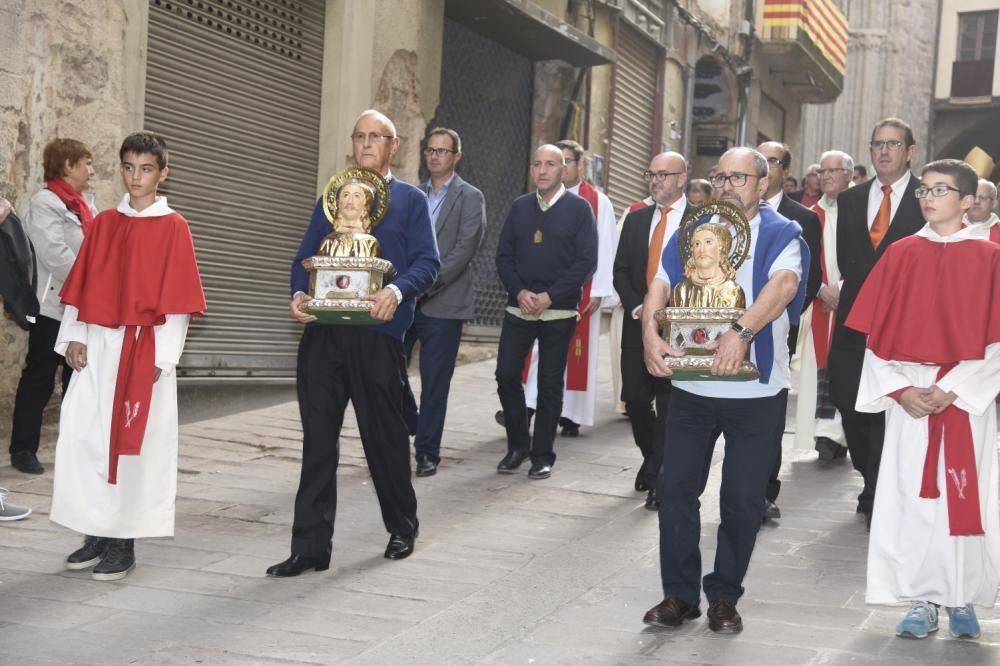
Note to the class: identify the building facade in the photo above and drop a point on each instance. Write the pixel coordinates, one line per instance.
(966, 113)
(256, 99)
(890, 69)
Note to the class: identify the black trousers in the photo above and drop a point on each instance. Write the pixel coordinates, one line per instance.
(640, 391)
(750, 426)
(337, 364)
(439, 342)
(38, 380)
(773, 482)
(516, 339)
(864, 432)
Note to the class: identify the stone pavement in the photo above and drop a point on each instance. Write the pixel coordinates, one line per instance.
(507, 570)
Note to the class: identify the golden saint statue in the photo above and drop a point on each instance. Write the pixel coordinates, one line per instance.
(347, 266)
(713, 241)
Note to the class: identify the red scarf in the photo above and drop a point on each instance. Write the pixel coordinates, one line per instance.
(74, 201)
(133, 272)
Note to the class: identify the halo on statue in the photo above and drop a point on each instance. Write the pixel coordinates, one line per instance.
(365, 176)
(728, 214)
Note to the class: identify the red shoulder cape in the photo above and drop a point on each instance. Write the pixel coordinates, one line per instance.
(929, 302)
(132, 271)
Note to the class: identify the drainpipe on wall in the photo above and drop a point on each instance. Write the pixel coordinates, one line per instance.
(934, 69)
(745, 76)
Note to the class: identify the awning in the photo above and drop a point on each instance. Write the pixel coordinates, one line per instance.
(524, 27)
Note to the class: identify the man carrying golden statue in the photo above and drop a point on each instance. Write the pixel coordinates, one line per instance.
(750, 414)
(364, 214)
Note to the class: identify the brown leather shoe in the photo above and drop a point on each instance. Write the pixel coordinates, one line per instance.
(670, 613)
(723, 617)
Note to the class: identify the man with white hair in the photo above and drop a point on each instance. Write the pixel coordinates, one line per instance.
(817, 421)
(982, 211)
(363, 365)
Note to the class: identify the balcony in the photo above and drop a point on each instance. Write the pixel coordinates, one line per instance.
(972, 79)
(804, 43)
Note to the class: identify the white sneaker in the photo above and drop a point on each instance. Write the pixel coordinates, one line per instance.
(11, 511)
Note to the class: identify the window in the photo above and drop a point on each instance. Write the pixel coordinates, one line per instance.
(977, 36)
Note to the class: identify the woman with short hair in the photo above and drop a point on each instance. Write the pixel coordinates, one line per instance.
(58, 217)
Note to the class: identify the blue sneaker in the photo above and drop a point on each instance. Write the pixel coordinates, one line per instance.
(920, 620)
(962, 622)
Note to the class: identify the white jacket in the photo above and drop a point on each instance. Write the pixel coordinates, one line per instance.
(56, 233)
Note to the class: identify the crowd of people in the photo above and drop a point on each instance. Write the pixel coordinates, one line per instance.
(880, 293)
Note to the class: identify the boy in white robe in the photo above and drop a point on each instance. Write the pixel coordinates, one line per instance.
(931, 309)
(129, 298)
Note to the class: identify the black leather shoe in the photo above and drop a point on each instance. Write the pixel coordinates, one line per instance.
(640, 480)
(652, 500)
(723, 617)
(829, 449)
(296, 564)
(426, 467)
(569, 428)
(27, 462)
(670, 612)
(399, 547)
(771, 511)
(511, 462)
(87, 555)
(539, 471)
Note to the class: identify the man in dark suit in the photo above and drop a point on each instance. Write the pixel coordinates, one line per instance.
(871, 216)
(644, 234)
(458, 213)
(779, 159)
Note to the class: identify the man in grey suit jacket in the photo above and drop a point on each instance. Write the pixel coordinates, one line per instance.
(458, 213)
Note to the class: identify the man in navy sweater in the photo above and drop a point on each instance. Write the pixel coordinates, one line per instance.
(362, 364)
(546, 251)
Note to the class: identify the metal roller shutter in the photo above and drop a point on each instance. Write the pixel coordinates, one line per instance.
(234, 87)
(636, 75)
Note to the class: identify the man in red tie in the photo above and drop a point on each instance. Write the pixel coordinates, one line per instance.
(871, 216)
(644, 234)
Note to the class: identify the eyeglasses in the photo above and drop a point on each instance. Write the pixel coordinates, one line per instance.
(660, 175)
(891, 145)
(937, 191)
(823, 172)
(438, 152)
(371, 137)
(734, 179)
(775, 162)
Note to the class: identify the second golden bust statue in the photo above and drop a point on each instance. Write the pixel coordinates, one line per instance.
(350, 237)
(709, 278)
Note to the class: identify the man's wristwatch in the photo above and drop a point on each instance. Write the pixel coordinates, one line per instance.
(746, 334)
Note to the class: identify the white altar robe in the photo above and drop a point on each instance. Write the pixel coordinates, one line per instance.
(807, 426)
(911, 554)
(579, 406)
(141, 504)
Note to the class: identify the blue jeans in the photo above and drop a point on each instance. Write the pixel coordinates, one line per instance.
(752, 428)
(439, 340)
(516, 339)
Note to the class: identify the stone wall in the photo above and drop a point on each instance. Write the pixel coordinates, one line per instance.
(890, 56)
(64, 75)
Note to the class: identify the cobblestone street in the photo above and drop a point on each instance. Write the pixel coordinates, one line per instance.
(507, 570)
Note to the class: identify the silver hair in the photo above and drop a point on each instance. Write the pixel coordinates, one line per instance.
(381, 117)
(993, 188)
(759, 161)
(846, 161)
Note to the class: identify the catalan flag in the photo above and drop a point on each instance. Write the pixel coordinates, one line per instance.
(820, 19)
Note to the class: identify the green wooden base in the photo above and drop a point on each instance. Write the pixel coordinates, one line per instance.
(345, 317)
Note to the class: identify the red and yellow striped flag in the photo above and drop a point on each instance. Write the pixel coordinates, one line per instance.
(820, 19)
